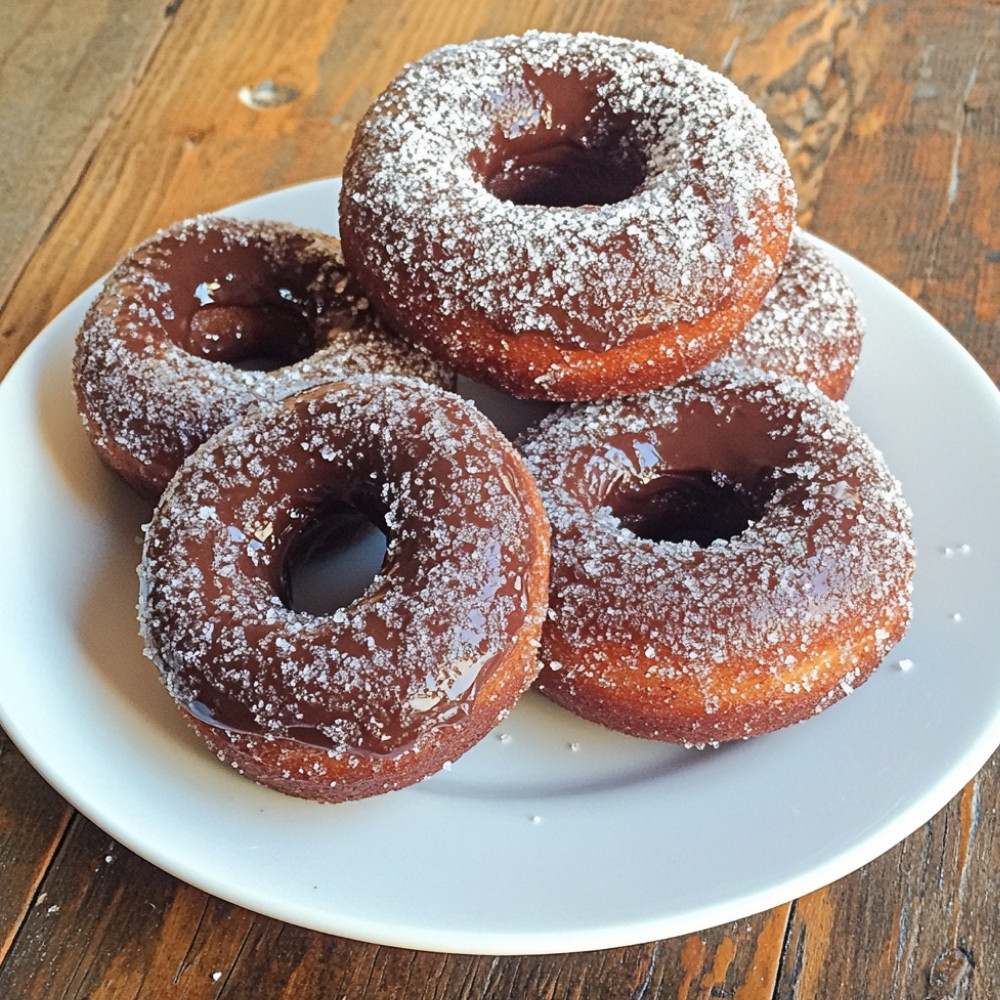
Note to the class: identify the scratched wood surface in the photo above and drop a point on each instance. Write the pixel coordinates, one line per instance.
(118, 117)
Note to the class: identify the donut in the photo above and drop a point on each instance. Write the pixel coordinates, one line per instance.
(565, 217)
(378, 694)
(205, 319)
(809, 326)
(730, 555)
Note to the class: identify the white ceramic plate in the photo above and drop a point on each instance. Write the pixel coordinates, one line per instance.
(552, 835)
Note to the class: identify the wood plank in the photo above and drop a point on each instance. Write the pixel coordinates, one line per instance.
(33, 819)
(107, 924)
(65, 68)
(921, 165)
(808, 70)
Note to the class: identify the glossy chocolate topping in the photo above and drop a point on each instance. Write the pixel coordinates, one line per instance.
(206, 319)
(728, 554)
(555, 142)
(704, 476)
(414, 652)
(253, 300)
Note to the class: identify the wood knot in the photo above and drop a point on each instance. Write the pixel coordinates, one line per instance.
(267, 94)
(950, 976)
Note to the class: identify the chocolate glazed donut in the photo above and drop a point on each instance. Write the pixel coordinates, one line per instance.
(566, 216)
(408, 676)
(729, 556)
(207, 318)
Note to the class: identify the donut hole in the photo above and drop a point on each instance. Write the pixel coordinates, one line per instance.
(566, 175)
(333, 559)
(692, 505)
(556, 144)
(261, 337)
(249, 304)
(702, 478)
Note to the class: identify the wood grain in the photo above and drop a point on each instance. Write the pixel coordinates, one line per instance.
(912, 188)
(33, 820)
(808, 70)
(126, 116)
(65, 69)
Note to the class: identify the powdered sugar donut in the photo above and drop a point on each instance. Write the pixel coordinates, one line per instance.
(729, 556)
(809, 325)
(566, 216)
(387, 690)
(209, 317)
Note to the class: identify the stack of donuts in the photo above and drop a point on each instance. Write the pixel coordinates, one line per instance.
(695, 545)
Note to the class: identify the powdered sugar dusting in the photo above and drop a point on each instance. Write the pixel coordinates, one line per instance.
(148, 398)
(415, 211)
(809, 325)
(793, 611)
(434, 646)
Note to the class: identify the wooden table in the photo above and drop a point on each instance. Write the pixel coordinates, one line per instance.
(120, 116)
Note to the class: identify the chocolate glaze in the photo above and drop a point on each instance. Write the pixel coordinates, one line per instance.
(729, 555)
(556, 143)
(416, 651)
(210, 317)
(706, 474)
(711, 473)
(235, 301)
